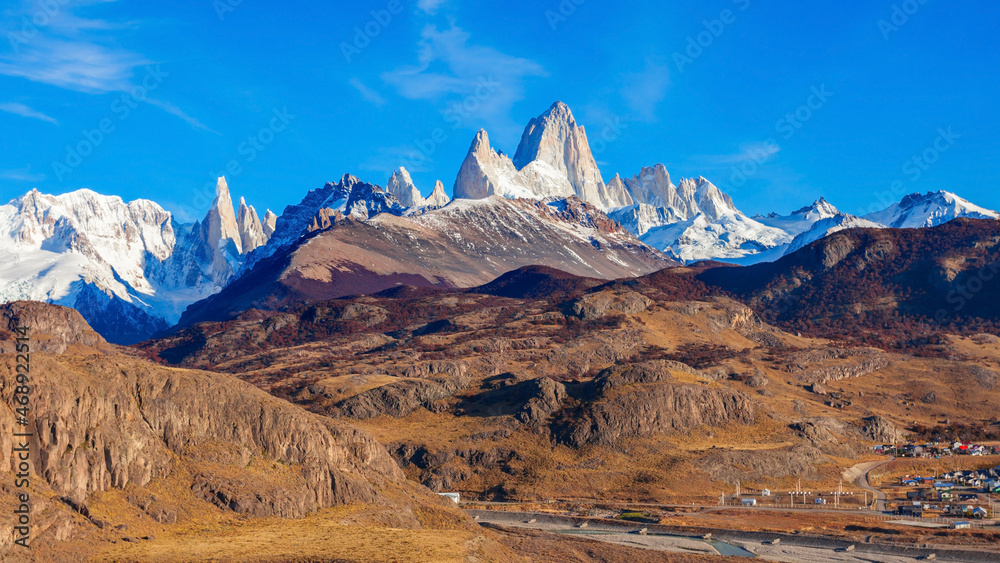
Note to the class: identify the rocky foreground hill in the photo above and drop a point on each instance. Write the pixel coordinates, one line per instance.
(162, 442)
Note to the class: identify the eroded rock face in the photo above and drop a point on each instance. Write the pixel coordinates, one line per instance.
(599, 305)
(881, 430)
(108, 421)
(733, 466)
(542, 397)
(53, 329)
(643, 402)
(985, 377)
(831, 436)
(851, 362)
(647, 372)
(399, 399)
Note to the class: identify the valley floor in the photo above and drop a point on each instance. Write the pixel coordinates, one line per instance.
(815, 546)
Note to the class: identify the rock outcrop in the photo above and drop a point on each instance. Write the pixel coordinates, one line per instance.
(438, 197)
(107, 421)
(632, 402)
(859, 363)
(881, 429)
(52, 329)
(599, 305)
(400, 185)
(541, 397)
(399, 399)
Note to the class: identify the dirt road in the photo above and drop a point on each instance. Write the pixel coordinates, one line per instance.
(863, 470)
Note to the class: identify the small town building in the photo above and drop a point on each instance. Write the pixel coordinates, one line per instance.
(961, 525)
(749, 502)
(979, 512)
(820, 500)
(765, 493)
(917, 511)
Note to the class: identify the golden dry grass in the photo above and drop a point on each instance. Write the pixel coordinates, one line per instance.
(328, 535)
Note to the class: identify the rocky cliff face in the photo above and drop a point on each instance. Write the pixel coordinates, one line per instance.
(401, 187)
(107, 421)
(251, 230)
(555, 140)
(643, 400)
(53, 329)
(438, 197)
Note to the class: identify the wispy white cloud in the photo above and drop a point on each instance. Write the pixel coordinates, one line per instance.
(25, 111)
(21, 175)
(178, 112)
(474, 85)
(367, 93)
(74, 52)
(758, 151)
(73, 65)
(643, 91)
(430, 6)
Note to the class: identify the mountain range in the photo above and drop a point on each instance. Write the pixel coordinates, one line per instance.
(133, 270)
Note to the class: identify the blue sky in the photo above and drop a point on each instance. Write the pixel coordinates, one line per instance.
(289, 96)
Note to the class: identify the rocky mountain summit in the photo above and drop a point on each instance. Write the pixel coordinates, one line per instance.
(692, 220)
(400, 185)
(130, 268)
(335, 252)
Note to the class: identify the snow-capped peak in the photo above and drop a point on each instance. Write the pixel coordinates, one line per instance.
(438, 197)
(129, 268)
(555, 139)
(400, 185)
(826, 227)
(486, 172)
(929, 210)
(800, 220)
(821, 209)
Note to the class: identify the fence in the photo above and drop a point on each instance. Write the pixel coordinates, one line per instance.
(934, 520)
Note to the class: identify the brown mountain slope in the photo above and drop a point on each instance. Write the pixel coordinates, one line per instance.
(537, 282)
(900, 289)
(171, 446)
(630, 391)
(466, 244)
